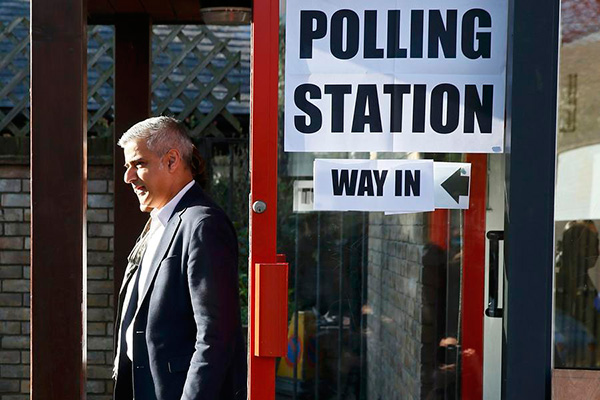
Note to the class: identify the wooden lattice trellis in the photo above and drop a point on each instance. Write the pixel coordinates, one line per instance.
(100, 64)
(14, 78)
(191, 79)
(191, 70)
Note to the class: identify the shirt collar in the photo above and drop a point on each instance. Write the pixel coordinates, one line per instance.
(163, 214)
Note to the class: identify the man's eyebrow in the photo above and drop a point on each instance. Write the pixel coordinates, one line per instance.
(133, 161)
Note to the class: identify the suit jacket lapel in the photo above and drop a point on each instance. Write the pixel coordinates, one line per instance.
(192, 196)
(129, 272)
(161, 251)
(134, 258)
(133, 262)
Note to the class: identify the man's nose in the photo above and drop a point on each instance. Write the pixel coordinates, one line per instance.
(129, 175)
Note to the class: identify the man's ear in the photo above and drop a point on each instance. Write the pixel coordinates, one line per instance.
(173, 159)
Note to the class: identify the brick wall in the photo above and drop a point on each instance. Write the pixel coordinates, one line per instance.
(14, 279)
(100, 283)
(399, 339)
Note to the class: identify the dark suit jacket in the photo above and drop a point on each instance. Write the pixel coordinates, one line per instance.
(187, 340)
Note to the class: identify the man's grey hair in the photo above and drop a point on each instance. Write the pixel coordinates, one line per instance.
(161, 134)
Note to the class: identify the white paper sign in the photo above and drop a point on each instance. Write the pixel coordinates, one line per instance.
(451, 185)
(303, 196)
(373, 185)
(395, 75)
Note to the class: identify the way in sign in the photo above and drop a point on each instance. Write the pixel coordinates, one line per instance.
(373, 185)
(366, 182)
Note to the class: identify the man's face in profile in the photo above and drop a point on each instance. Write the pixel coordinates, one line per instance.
(147, 175)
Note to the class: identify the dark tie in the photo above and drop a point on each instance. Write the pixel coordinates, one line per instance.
(130, 312)
(135, 262)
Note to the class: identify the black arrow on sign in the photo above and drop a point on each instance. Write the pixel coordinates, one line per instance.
(456, 185)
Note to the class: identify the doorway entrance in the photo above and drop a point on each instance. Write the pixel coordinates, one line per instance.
(386, 306)
(394, 306)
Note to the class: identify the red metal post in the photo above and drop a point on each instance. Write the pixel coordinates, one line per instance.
(438, 228)
(263, 172)
(271, 312)
(473, 281)
(58, 199)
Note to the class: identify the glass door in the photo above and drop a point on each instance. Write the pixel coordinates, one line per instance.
(577, 219)
(404, 305)
(379, 306)
(388, 306)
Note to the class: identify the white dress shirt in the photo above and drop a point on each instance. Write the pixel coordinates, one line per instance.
(160, 218)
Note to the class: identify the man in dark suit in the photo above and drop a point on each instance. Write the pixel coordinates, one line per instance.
(178, 330)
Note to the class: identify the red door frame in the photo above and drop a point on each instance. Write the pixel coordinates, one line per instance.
(263, 176)
(263, 231)
(473, 279)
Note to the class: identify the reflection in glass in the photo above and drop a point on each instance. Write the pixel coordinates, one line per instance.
(577, 273)
(577, 300)
(374, 299)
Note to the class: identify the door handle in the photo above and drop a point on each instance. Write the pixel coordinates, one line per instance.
(493, 311)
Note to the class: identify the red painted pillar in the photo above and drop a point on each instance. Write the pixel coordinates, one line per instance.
(438, 228)
(473, 280)
(263, 172)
